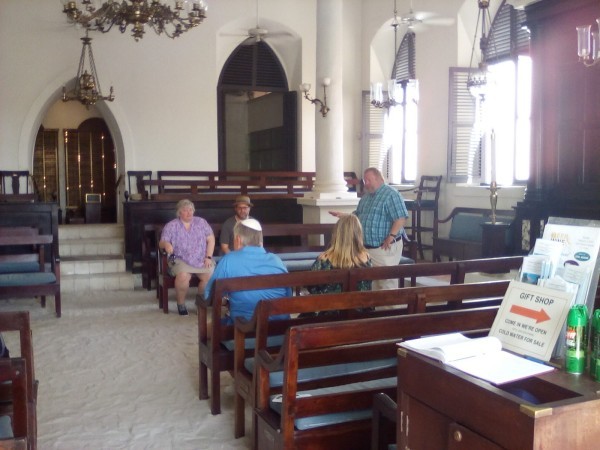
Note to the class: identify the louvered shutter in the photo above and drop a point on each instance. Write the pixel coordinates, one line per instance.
(464, 143)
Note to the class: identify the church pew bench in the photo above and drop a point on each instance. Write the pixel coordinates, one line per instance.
(24, 279)
(215, 339)
(285, 238)
(25, 262)
(346, 305)
(464, 240)
(338, 416)
(15, 414)
(456, 270)
(19, 322)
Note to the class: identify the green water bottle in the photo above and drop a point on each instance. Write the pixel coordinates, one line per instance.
(576, 339)
(595, 345)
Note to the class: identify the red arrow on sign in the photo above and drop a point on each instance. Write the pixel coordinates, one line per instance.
(539, 316)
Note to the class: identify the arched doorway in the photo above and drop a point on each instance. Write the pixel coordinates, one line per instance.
(85, 172)
(257, 114)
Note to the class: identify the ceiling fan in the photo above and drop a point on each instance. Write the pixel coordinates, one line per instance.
(413, 19)
(258, 33)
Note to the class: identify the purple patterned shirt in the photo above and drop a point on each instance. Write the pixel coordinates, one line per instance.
(188, 245)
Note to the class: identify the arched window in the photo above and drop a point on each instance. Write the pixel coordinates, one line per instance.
(505, 109)
(257, 113)
(391, 134)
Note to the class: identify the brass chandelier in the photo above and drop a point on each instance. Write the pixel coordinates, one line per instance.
(137, 13)
(87, 85)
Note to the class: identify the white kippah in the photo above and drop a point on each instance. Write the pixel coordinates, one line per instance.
(252, 223)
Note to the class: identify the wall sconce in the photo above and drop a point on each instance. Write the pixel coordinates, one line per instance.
(588, 49)
(324, 109)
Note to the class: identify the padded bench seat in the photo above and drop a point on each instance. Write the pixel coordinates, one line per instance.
(465, 237)
(321, 373)
(27, 279)
(307, 423)
(19, 267)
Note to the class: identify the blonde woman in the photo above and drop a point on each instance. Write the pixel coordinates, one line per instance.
(345, 251)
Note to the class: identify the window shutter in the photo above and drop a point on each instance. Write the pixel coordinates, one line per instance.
(373, 132)
(464, 143)
(404, 66)
(507, 37)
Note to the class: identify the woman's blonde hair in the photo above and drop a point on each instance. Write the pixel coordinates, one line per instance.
(346, 248)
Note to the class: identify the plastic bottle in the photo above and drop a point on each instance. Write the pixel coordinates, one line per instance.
(595, 345)
(576, 339)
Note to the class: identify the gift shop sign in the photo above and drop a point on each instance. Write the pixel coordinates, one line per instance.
(530, 319)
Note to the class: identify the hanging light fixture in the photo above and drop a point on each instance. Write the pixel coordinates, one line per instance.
(588, 44)
(87, 85)
(477, 78)
(394, 90)
(137, 13)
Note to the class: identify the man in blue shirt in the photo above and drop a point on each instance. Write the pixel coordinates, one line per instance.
(382, 214)
(248, 258)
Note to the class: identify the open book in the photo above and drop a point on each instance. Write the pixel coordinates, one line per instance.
(481, 357)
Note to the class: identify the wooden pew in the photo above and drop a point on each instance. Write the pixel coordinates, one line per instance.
(464, 240)
(457, 270)
(31, 283)
(214, 356)
(347, 305)
(18, 321)
(295, 239)
(13, 376)
(212, 353)
(316, 345)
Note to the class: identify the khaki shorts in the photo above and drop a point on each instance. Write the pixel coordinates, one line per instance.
(178, 266)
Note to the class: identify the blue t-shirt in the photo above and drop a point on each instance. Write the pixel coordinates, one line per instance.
(245, 262)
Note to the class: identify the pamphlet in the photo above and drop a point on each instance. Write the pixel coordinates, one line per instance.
(480, 357)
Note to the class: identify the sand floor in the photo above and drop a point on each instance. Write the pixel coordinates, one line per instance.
(116, 373)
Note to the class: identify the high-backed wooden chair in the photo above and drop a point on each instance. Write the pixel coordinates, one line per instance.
(18, 321)
(427, 198)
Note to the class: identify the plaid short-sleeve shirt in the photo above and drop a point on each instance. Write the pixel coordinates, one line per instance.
(377, 212)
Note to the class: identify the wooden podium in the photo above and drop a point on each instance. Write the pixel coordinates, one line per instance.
(442, 408)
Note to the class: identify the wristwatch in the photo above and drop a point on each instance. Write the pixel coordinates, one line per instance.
(209, 257)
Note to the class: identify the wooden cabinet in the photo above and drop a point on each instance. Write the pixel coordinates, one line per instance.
(564, 175)
(443, 408)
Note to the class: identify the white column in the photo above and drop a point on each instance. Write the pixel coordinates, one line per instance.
(329, 145)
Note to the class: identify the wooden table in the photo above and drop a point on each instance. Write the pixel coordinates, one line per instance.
(440, 407)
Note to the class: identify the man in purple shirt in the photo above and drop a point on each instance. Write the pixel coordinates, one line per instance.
(189, 241)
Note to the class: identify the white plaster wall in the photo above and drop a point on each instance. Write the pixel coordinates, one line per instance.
(164, 116)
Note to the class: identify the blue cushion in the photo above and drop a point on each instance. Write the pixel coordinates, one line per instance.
(26, 279)
(298, 255)
(324, 372)
(272, 341)
(306, 423)
(19, 267)
(405, 260)
(467, 227)
(296, 265)
(6, 431)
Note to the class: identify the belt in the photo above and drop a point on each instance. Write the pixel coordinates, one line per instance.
(396, 239)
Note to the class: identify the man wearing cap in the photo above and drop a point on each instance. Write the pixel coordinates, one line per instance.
(242, 207)
(248, 258)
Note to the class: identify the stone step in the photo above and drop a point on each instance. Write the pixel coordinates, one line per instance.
(88, 265)
(92, 246)
(116, 281)
(100, 230)
(92, 258)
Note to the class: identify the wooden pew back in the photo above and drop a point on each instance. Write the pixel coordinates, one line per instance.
(329, 343)
(211, 353)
